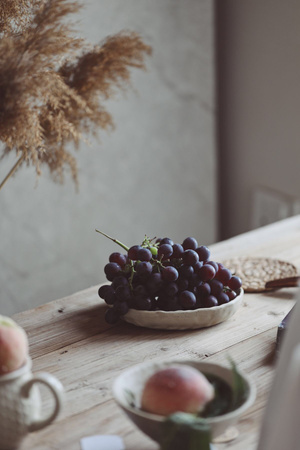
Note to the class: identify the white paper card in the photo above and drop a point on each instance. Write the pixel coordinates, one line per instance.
(102, 442)
(108, 442)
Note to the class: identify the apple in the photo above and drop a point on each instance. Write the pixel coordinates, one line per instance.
(13, 345)
(178, 388)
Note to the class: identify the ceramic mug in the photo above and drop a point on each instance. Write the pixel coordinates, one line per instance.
(20, 404)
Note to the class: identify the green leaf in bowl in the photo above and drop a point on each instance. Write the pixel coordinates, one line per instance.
(185, 431)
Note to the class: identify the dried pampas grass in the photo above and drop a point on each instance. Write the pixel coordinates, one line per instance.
(52, 85)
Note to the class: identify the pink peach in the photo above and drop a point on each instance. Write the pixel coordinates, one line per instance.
(13, 345)
(176, 388)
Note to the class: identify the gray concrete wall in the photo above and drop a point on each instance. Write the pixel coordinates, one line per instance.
(155, 174)
(259, 87)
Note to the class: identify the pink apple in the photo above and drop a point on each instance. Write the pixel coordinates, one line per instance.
(176, 388)
(13, 345)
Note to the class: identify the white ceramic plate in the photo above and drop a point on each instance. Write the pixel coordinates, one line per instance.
(184, 320)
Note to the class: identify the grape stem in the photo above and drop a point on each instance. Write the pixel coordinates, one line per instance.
(114, 240)
(131, 275)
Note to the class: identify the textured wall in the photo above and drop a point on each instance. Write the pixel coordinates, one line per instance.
(259, 76)
(154, 175)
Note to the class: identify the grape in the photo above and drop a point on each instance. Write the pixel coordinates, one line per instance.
(123, 293)
(104, 289)
(171, 289)
(210, 301)
(197, 266)
(153, 251)
(198, 302)
(133, 252)
(190, 243)
(118, 258)
(136, 279)
(214, 264)
(203, 290)
(190, 258)
(144, 254)
(143, 268)
(206, 272)
(109, 295)
(183, 284)
(164, 251)
(231, 295)
(203, 252)
(139, 290)
(112, 270)
(223, 275)
(169, 273)
(154, 283)
(111, 316)
(177, 251)
(172, 304)
(223, 298)
(119, 281)
(220, 266)
(166, 241)
(235, 283)
(194, 281)
(121, 308)
(185, 271)
(168, 303)
(143, 303)
(187, 300)
(216, 287)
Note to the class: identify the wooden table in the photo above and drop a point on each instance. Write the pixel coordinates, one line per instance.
(70, 339)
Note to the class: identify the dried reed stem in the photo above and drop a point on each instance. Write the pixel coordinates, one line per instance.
(12, 170)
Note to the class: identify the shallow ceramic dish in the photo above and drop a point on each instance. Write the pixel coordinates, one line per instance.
(129, 386)
(184, 320)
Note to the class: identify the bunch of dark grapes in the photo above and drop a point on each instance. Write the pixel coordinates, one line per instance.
(163, 275)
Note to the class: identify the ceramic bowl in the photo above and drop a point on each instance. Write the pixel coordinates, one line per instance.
(129, 385)
(184, 320)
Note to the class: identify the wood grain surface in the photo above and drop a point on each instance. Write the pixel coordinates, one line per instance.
(70, 339)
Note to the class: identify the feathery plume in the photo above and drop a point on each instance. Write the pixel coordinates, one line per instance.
(53, 85)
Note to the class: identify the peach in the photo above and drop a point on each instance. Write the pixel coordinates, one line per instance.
(179, 388)
(13, 345)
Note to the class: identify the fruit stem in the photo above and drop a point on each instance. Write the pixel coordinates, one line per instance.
(131, 275)
(114, 240)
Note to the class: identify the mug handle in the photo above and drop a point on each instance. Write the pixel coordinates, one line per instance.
(56, 389)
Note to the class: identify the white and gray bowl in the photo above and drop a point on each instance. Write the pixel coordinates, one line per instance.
(130, 384)
(184, 319)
